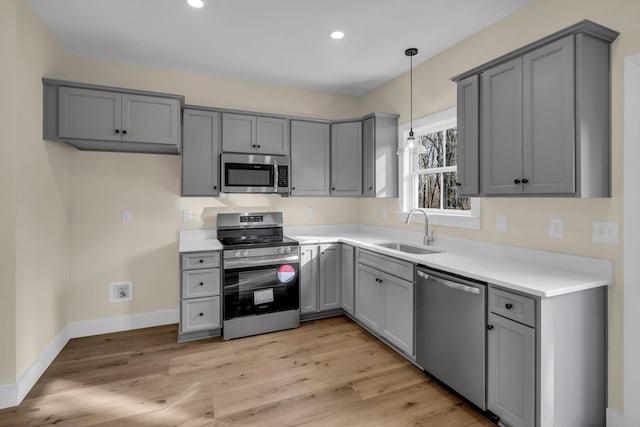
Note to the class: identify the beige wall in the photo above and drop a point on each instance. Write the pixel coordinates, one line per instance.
(528, 218)
(42, 189)
(7, 194)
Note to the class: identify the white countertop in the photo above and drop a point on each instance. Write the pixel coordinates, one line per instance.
(532, 278)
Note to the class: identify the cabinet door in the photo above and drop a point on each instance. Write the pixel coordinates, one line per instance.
(150, 119)
(346, 159)
(368, 157)
(273, 135)
(239, 133)
(549, 119)
(89, 114)
(511, 371)
(368, 302)
(501, 118)
(308, 278)
(468, 156)
(348, 278)
(310, 148)
(397, 312)
(200, 152)
(330, 277)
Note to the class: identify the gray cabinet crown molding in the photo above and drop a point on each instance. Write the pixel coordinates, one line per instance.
(141, 122)
(585, 27)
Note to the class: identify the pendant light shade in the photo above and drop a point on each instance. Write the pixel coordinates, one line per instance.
(411, 140)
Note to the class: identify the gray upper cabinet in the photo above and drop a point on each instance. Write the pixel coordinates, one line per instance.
(310, 158)
(544, 118)
(200, 153)
(379, 159)
(346, 159)
(468, 179)
(101, 118)
(243, 133)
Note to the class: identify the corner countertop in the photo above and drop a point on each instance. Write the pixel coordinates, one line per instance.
(533, 279)
(484, 263)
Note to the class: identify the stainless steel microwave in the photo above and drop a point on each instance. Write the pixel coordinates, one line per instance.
(254, 173)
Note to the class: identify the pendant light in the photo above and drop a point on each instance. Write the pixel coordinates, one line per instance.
(411, 52)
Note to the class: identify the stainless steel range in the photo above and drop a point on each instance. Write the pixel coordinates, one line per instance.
(260, 268)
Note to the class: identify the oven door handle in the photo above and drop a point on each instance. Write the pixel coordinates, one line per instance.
(275, 176)
(231, 264)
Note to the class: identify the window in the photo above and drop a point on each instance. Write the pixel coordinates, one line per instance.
(428, 172)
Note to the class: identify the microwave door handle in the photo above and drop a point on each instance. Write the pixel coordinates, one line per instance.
(275, 176)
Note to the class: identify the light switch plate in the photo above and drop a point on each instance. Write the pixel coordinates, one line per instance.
(127, 217)
(605, 232)
(501, 224)
(187, 215)
(556, 228)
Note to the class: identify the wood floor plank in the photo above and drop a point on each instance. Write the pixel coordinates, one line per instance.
(329, 372)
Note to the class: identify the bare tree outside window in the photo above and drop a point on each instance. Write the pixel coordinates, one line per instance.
(436, 174)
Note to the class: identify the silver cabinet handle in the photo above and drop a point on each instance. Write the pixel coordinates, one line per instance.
(275, 176)
(450, 284)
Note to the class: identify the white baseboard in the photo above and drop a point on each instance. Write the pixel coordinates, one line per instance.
(614, 419)
(13, 394)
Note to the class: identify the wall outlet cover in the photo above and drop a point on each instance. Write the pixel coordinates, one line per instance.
(556, 228)
(187, 215)
(120, 291)
(501, 224)
(309, 212)
(605, 232)
(385, 213)
(127, 217)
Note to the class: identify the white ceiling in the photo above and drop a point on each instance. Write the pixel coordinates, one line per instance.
(274, 41)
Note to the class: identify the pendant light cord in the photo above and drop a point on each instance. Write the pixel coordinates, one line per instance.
(411, 88)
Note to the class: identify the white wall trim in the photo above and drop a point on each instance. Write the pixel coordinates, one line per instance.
(614, 419)
(631, 269)
(13, 394)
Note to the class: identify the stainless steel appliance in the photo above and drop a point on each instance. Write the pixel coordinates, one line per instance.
(254, 173)
(450, 332)
(261, 267)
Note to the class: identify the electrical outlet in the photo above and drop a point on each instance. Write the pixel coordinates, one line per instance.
(309, 212)
(501, 224)
(556, 228)
(120, 291)
(605, 232)
(385, 214)
(187, 215)
(127, 217)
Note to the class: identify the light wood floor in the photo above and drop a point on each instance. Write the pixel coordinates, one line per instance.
(326, 373)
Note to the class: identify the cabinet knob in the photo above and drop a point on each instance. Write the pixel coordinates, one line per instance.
(124, 132)
(215, 187)
(322, 253)
(201, 283)
(516, 181)
(490, 327)
(508, 306)
(254, 146)
(117, 130)
(333, 188)
(458, 184)
(525, 180)
(201, 314)
(258, 145)
(293, 188)
(370, 188)
(201, 261)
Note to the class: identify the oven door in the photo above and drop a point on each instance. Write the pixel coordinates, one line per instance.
(251, 291)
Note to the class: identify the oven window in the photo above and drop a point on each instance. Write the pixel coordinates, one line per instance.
(248, 175)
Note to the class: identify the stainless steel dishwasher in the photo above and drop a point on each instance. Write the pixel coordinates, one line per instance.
(450, 332)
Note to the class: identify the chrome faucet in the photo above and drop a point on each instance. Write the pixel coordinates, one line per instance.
(428, 237)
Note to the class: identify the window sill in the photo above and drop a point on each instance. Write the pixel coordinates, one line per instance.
(447, 220)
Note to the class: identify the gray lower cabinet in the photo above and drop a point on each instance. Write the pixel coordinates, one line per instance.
(200, 153)
(243, 133)
(547, 358)
(110, 119)
(320, 280)
(467, 177)
(544, 118)
(346, 159)
(384, 298)
(348, 278)
(200, 296)
(310, 158)
(379, 158)
(511, 371)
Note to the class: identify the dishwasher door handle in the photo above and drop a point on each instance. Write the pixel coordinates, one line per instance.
(450, 284)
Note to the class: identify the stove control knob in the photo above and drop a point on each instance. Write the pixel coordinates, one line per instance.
(287, 250)
(237, 254)
(280, 250)
(245, 253)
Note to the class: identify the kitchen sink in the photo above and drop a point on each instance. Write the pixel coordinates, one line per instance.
(407, 248)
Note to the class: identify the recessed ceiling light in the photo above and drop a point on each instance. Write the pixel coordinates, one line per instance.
(337, 35)
(196, 3)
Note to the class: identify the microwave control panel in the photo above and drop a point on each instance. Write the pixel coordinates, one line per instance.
(283, 176)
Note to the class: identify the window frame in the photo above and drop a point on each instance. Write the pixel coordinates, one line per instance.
(406, 183)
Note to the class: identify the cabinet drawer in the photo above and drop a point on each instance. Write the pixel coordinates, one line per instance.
(389, 265)
(200, 260)
(200, 314)
(200, 283)
(513, 306)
